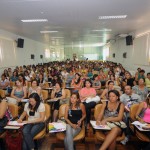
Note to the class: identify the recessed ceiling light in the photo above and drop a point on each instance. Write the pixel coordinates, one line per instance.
(35, 20)
(48, 31)
(113, 17)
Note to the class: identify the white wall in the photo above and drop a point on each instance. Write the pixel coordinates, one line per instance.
(138, 54)
(11, 56)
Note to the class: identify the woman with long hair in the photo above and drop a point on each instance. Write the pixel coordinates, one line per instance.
(74, 115)
(76, 82)
(35, 111)
(58, 94)
(19, 92)
(111, 110)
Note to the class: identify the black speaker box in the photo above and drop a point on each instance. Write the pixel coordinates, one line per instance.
(124, 55)
(113, 55)
(41, 56)
(20, 43)
(129, 40)
(32, 56)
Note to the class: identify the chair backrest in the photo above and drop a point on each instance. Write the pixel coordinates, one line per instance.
(12, 83)
(44, 94)
(47, 111)
(133, 110)
(2, 93)
(62, 109)
(13, 109)
(46, 85)
(97, 110)
(68, 93)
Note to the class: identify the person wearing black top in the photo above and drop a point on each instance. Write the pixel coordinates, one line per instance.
(74, 115)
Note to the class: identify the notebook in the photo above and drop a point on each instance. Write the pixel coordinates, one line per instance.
(57, 127)
(102, 127)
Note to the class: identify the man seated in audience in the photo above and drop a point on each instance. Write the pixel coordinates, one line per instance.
(147, 81)
(128, 98)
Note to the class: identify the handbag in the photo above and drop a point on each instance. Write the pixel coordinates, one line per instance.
(119, 124)
(14, 139)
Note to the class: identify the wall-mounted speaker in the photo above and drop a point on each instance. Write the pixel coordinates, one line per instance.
(32, 56)
(41, 56)
(129, 40)
(113, 55)
(20, 43)
(124, 55)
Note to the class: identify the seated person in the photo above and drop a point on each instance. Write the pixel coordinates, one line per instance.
(14, 76)
(41, 80)
(112, 110)
(141, 89)
(109, 87)
(58, 94)
(4, 83)
(74, 115)
(19, 92)
(96, 84)
(35, 111)
(69, 78)
(76, 82)
(143, 115)
(88, 98)
(147, 81)
(128, 99)
(128, 80)
(34, 88)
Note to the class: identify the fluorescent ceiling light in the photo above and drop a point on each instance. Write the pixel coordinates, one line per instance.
(113, 17)
(102, 30)
(48, 31)
(57, 37)
(35, 20)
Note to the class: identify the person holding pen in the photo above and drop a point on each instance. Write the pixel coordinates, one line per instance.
(111, 111)
(74, 115)
(35, 111)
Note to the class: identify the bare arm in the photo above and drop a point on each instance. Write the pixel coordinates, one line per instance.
(103, 96)
(100, 116)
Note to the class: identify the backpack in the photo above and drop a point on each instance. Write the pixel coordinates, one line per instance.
(14, 139)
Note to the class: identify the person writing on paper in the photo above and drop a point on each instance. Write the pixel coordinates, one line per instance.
(57, 94)
(74, 115)
(35, 111)
(112, 110)
(88, 98)
(19, 92)
(143, 115)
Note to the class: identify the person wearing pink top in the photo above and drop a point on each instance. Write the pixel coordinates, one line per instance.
(143, 115)
(88, 98)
